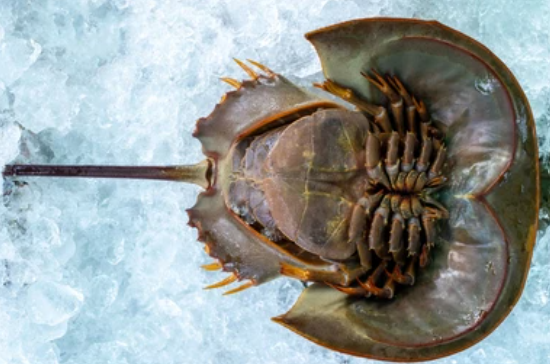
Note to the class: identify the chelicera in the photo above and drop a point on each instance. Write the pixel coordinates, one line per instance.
(423, 171)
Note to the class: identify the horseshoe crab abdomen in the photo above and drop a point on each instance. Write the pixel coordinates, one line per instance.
(302, 180)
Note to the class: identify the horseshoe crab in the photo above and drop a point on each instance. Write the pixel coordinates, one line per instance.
(411, 216)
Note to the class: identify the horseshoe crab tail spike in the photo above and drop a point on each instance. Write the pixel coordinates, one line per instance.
(198, 174)
(224, 282)
(239, 289)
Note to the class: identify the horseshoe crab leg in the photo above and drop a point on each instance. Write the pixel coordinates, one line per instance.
(437, 165)
(370, 285)
(198, 174)
(408, 153)
(413, 246)
(361, 219)
(379, 223)
(373, 162)
(406, 278)
(410, 108)
(352, 291)
(423, 161)
(394, 97)
(396, 238)
(392, 160)
(426, 122)
(347, 276)
(420, 182)
(380, 114)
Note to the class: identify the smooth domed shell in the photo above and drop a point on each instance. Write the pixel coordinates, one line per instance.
(309, 184)
(259, 103)
(483, 251)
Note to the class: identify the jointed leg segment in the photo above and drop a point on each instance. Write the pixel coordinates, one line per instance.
(394, 229)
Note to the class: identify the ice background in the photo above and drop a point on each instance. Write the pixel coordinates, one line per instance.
(107, 271)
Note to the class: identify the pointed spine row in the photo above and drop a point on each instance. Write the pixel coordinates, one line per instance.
(218, 265)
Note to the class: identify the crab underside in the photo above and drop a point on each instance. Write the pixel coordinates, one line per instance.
(355, 200)
(338, 186)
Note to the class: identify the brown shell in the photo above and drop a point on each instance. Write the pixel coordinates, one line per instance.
(483, 252)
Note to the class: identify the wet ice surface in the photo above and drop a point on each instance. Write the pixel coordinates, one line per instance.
(107, 271)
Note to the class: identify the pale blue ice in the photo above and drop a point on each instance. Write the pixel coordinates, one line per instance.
(107, 271)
